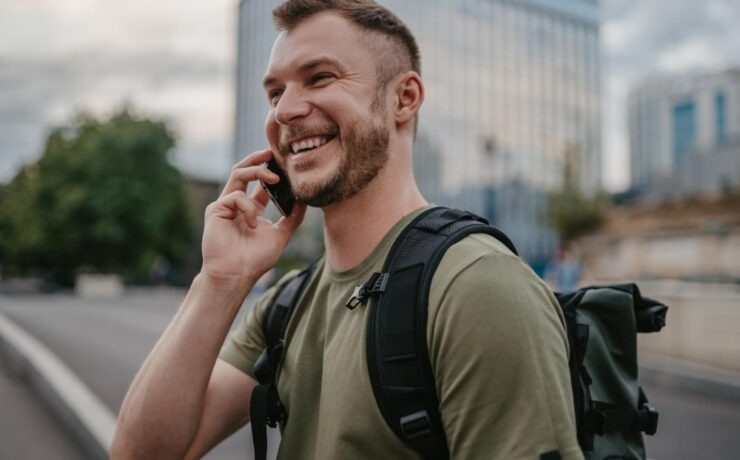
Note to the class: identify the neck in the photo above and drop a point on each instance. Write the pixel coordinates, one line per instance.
(354, 227)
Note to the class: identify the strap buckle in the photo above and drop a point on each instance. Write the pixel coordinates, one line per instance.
(595, 422)
(416, 425)
(274, 410)
(646, 420)
(376, 284)
(601, 421)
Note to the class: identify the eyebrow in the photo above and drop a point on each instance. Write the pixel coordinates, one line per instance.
(305, 67)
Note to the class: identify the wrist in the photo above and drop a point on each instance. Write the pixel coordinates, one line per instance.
(225, 284)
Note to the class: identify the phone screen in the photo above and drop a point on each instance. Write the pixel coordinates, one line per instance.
(280, 193)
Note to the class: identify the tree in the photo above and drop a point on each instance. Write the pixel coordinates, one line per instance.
(103, 197)
(570, 212)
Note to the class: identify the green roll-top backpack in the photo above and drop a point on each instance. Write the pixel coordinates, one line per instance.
(602, 322)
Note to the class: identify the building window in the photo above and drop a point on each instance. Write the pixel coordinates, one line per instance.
(684, 130)
(720, 118)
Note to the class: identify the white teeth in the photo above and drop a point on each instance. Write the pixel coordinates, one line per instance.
(308, 143)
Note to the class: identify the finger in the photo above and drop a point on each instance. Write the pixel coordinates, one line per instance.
(254, 158)
(288, 225)
(235, 204)
(240, 177)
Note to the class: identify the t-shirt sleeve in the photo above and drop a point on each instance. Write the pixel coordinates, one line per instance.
(245, 343)
(499, 352)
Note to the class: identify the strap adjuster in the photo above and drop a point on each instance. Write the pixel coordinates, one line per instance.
(416, 425)
(376, 284)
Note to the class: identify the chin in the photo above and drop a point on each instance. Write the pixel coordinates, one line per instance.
(307, 190)
(308, 175)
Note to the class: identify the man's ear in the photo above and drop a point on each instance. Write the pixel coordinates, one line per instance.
(409, 96)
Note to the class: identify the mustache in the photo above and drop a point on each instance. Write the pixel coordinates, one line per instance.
(289, 134)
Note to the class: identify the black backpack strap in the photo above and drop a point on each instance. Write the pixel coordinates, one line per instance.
(265, 406)
(398, 358)
(580, 380)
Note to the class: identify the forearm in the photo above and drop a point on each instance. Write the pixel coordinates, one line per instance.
(162, 409)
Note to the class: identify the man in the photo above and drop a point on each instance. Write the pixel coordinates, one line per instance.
(344, 90)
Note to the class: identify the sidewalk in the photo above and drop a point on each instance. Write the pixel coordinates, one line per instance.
(29, 430)
(81, 412)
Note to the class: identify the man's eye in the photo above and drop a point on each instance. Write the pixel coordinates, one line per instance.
(320, 77)
(273, 96)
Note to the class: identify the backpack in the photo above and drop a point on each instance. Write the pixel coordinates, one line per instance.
(602, 322)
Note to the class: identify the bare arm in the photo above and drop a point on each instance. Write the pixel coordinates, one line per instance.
(226, 408)
(177, 401)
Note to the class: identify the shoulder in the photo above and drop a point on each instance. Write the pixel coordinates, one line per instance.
(246, 342)
(479, 282)
(482, 265)
(499, 353)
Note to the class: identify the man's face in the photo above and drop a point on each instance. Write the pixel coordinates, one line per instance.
(327, 121)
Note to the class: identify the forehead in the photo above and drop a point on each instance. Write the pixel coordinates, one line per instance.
(324, 34)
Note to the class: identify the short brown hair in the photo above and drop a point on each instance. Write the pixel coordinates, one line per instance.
(398, 53)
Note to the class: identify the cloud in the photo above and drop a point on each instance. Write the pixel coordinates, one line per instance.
(171, 59)
(175, 59)
(695, 53)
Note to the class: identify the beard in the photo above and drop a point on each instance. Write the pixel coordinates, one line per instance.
(364, 155)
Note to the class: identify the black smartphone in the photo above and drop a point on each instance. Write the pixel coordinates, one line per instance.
(280, 193)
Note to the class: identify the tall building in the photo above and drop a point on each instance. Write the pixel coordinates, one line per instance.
(511, 85)
(685, 133)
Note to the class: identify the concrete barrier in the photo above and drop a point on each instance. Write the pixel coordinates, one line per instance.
(99, 286)
(702, 326)
(88, 419)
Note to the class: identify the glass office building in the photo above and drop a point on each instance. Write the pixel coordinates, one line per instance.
(684, 126)
(512, 85)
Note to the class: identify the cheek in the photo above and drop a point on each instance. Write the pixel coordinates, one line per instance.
(272, 130)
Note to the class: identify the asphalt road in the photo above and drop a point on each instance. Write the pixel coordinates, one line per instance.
(105, 342)
(693, 426)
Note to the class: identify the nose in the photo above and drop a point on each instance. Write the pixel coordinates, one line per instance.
(291, 106)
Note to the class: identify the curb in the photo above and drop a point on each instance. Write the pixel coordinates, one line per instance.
(690, 376)
(89, 420)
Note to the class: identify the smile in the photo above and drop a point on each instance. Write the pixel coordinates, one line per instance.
(309, 144)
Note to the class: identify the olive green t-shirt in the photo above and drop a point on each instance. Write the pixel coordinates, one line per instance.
(497, 345)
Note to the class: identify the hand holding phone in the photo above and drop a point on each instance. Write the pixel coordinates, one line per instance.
(239, 243)
(280, 194)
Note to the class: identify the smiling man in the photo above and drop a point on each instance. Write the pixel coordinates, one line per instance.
(344, 89)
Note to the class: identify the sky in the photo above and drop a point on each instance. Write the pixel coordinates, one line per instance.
(175, 59)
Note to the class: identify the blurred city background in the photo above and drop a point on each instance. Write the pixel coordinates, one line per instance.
(602, 136)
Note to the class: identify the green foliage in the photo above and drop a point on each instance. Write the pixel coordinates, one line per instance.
(570, 212)
(102, 198)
